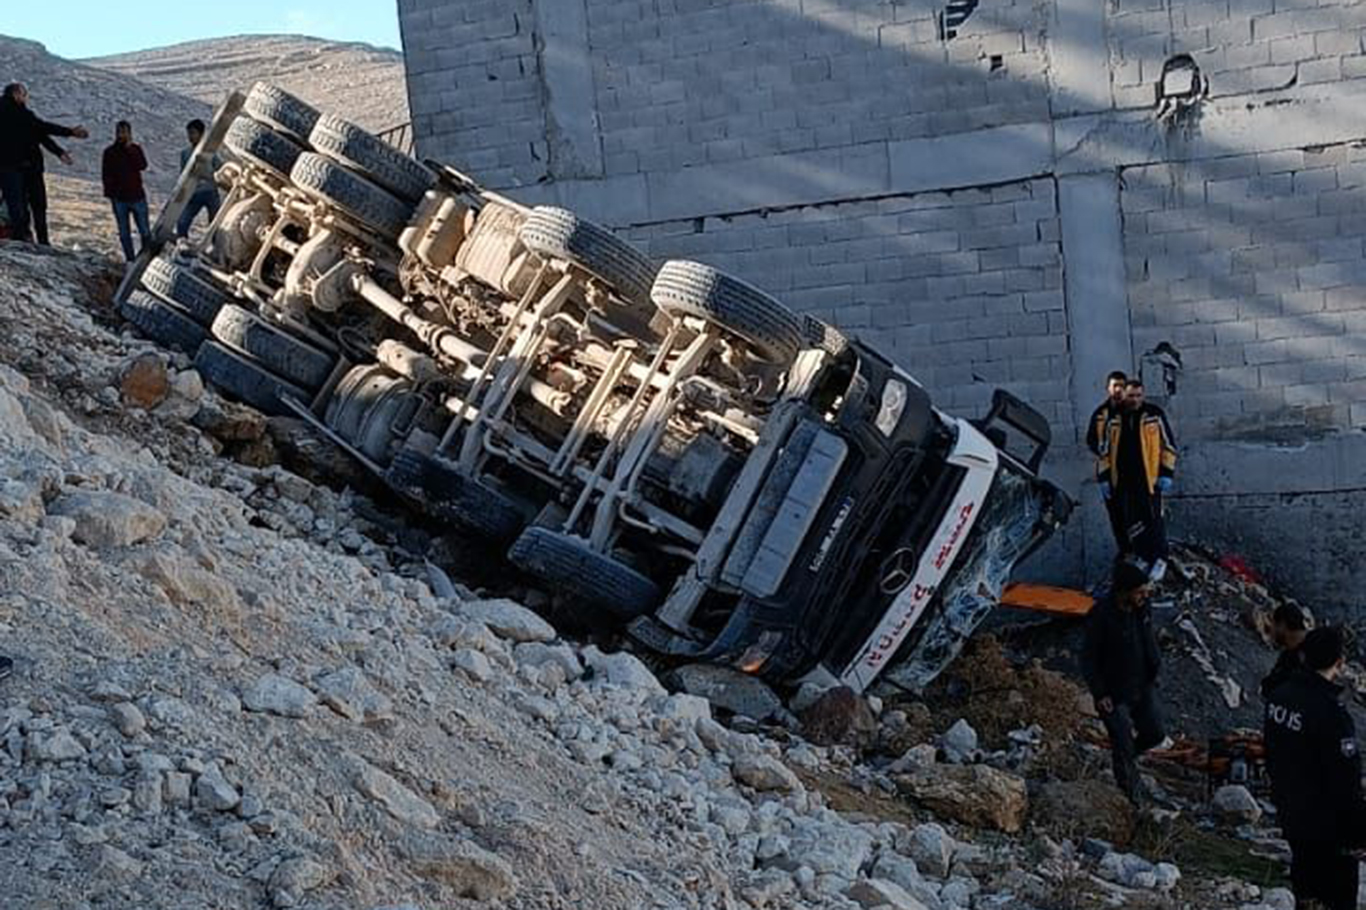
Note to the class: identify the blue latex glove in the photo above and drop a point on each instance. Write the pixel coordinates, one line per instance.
(1106, 491)
(1164, 484)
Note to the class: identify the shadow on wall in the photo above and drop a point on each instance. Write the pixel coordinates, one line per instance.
(1250, 265)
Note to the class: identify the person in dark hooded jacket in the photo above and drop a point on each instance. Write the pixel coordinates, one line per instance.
(1120, 662)
(23, 136)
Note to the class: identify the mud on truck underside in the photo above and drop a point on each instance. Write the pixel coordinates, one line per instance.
(667, 447)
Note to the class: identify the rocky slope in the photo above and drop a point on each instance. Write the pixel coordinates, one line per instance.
(72, 93)
(236, 687)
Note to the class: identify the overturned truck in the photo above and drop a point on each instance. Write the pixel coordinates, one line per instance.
(667, 447)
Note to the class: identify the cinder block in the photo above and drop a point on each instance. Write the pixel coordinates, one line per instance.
(1253, 79)
(915, 244)
(1051, 345)
(1236, 378)
(1005, 236)
(943, 288)
(1227, 168)
(1312, 72)
(1332, 274)
(1345, 299)
(1306, 395)
(989, 327)
(1276, 282)
(1000, 258)
(1042, 301)
(1259, 353)
(958, 263)
(984, 284)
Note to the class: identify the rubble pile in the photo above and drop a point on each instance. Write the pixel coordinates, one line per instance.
(237, 687)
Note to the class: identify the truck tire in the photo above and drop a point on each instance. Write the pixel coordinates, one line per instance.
(288, 114)
(444, 493)
(686, 288)
(180, 285)
(248, 382)
(273, 347)
(560, 234)
(823, 336)
(614, 590)
(162, 322)
(372, 157)
(373, 207)
(262, 145)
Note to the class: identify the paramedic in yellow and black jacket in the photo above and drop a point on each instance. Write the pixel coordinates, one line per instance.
(1135, 467)
(1095, 432)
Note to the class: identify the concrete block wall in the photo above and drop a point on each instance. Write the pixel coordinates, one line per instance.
(682, 83)
(964, 288)
(1253, 267)
(474, 86)
(1242, 46)
(1003, 206)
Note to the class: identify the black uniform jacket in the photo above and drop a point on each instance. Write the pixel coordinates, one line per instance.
(1311, 754)
(1120, 658)
(1287, 663)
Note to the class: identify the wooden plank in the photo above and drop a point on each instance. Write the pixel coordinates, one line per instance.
(164, 228)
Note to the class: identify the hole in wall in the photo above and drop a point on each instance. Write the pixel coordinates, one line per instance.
(1180, 87)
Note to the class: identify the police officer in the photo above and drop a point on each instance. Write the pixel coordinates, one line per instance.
(1311, 754)
(1120, 661)
(1288, 628)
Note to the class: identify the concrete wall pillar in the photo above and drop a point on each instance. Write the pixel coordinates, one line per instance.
(1097, 321)
(571, 115)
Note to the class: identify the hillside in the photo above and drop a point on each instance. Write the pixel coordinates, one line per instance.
(364, 82)
(159, 90)
(72, 93)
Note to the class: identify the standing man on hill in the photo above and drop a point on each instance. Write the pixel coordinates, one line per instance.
(1135, 467)
(23, 136)
(1095, 434)
(122, 170)
(205, 196)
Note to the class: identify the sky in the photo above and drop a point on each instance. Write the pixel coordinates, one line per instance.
(94, 28)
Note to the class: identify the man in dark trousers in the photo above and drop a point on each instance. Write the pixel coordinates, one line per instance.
(205, 197)
(1095, 432)
(1120, 660)
(1288, 630)
(23, 136)
(122, 170)
(1315, 768)
(1135, 467)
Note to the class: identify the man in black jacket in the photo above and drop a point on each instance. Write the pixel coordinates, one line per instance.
(1315, 768)
(23, 136)
(1288, 632)
(1120, 661)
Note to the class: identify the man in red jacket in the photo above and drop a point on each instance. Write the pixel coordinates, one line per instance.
(122, 170)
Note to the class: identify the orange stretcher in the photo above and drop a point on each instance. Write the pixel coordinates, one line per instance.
(1048, 599)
